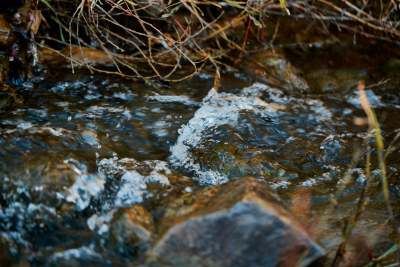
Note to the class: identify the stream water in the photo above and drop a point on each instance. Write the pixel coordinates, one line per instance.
(81, 147)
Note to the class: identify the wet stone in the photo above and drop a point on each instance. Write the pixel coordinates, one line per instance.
(6, 34)
(131, 182)
(259, 132)
(132, 229)
(39, 202)
(126, 232)
(241, 223)
(325, 80)
(54, 184)
(276, 70)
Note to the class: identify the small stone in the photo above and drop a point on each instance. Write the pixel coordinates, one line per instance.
(240, 223)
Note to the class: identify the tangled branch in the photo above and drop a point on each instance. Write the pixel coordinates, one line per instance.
(156, 38)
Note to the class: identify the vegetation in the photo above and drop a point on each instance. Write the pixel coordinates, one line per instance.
(157, 38)
(350, 224)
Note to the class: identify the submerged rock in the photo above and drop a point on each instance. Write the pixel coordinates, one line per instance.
(326, 80)
(275, 69)
(241, 223)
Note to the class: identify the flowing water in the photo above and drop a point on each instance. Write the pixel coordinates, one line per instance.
(81, 147)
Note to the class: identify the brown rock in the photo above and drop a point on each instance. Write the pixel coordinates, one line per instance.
(275, 69)
(6, 34)
(241, 223)
(132, 227)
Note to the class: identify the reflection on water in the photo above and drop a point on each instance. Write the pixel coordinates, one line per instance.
(82, 147)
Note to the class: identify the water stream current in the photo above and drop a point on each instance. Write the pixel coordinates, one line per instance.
(82, 147)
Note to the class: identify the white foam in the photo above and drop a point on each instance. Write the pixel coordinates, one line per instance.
(135, 177)
(85, 187)
(76, 254)
(132, 190)
(217, 109)
(174, 99)
(100, 222)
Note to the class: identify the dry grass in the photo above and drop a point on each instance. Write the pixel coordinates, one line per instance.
(155, 38)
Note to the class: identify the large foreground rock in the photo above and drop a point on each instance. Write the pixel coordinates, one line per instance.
(241, 223)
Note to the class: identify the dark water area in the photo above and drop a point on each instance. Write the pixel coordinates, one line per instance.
(83, 147)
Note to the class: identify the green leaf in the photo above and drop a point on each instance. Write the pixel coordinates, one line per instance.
(283, 5)
(236, 4)
(392, 265)
(58, 21)
(255, 21)
(214, 4)
(251, 12)
(131, 3)
(388, 252)
(172, 11)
